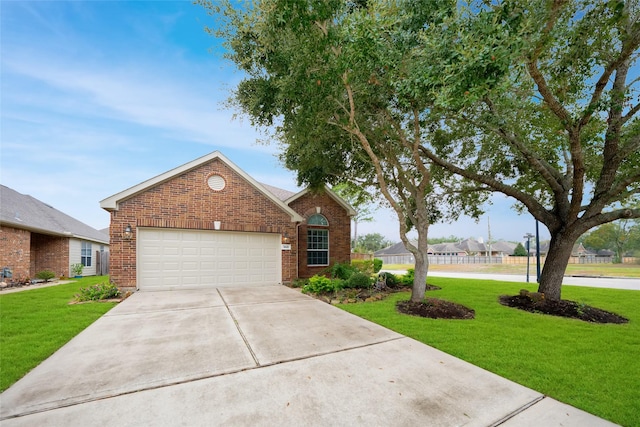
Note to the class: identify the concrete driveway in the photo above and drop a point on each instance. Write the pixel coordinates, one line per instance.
(262, 356)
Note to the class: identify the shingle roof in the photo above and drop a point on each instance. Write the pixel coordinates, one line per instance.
(279, 192)
(503, 246)
(468, 246)
(26, 212)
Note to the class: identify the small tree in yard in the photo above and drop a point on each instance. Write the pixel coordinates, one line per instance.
(520, 250)
(372, 242)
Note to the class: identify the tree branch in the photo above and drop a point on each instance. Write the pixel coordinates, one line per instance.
(551, 176)
(632, 112)
(536, 209)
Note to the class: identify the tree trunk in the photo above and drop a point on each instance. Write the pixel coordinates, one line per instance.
(420, 277)
(555, 266)
(421, 260)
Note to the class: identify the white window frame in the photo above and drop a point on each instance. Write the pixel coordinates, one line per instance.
(86, 256)
(317, 223)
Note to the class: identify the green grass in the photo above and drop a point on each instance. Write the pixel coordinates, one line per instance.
(593, 367)
(36, 323)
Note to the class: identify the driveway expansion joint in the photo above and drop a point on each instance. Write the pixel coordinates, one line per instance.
(244, 338)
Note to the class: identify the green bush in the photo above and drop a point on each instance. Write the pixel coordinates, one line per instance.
(359, 281)
(77, 269)
(407, 279)
(299, 283)
(363, 265)
(45, 275)
(317, 285)
(390, 279)
(97, 292)
(377, 265)
(342, 271)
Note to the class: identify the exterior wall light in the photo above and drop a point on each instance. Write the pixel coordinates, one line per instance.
(128, 233)
(285, 239)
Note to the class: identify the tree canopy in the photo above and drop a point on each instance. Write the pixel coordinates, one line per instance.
(437, 102)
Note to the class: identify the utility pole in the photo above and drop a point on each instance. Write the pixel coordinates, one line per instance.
(528, 236)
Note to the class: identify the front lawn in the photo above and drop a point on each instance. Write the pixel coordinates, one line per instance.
(36, 323)
(595, 367)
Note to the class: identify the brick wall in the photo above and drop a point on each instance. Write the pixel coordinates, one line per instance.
(49, 253)
(339, 230)
(186, 201)
(15, 251)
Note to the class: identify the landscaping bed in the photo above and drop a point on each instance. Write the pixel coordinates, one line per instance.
(562, 308)
(435, 308)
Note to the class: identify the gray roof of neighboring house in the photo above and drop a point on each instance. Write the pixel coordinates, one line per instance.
(502, 246)
(447, 248)
(468, 246)
(22, 211)
(396, 249)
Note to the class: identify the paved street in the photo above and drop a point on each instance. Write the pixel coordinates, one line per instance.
(594, 282)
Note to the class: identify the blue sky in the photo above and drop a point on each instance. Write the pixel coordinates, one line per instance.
(97, 96)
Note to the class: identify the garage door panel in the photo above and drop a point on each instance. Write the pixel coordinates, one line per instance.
(190, 259)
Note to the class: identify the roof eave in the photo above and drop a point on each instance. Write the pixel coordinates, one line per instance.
(350, 210)
(112, 203)
(52, 233)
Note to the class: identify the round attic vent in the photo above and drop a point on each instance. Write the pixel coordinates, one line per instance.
(216, 182)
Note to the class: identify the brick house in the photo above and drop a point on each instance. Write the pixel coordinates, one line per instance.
(208, 223)
(35, 237)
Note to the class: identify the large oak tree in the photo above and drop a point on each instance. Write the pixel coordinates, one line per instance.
(533, 99)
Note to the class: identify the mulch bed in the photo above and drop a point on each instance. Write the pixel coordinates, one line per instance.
(435, 308)
(354, 296)
(562, 308)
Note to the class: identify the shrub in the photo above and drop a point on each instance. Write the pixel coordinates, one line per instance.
(359, 280)
(363, 265)
(45, 275)
(407, 279)
(318, 284)
(97, 292)
(338, 284)
(377, 265)
(342, 271)
(299, 283)
(76, 269)
(390, 279)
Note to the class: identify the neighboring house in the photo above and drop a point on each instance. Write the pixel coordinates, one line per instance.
(35, 237)
(207, 223)
(398, 254)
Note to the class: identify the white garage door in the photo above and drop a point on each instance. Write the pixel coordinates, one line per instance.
(192, 259)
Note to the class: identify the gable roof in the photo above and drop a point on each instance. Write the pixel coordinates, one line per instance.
(111, 203)
(331, 193)
(25, 212)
